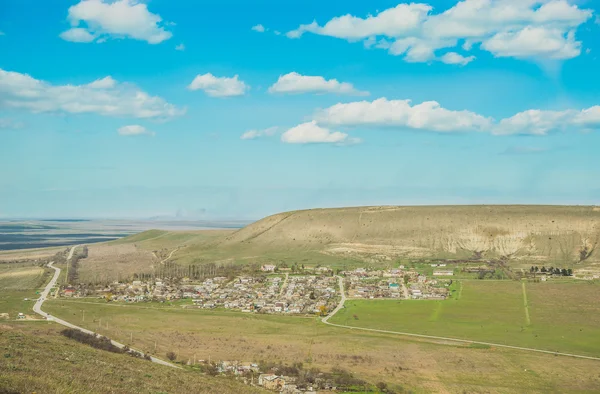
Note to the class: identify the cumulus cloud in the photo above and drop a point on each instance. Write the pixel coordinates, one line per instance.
(132, 130)
(393, 22)
(180, 47)
(431, 116)
(97, 20)
(538, 122)
(294, 83)
(77, 34)
(382, 112)
(259, 28)
(312, 133)
(104, 97)
(456, 58)
(534, 42)
(539, 29)
(219, 86)
(253, 134)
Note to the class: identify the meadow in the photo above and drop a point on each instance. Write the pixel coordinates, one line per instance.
(19, 281)
(36, 358)
(405, 363)
(562, 316)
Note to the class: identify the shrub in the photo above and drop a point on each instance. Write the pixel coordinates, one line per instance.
(171, 356)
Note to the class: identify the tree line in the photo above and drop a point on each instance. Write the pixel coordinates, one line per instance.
(551, 271)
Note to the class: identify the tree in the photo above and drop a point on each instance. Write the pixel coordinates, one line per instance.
(382, 386)
(532, 269)
(171, 356)
(544, 269)
(569, 272)
(564, 272)
(323, 310)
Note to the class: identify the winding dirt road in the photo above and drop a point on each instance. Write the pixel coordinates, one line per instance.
(37, 308)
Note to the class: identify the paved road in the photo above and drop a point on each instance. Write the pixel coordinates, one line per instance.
(435, 338)
(38, 309)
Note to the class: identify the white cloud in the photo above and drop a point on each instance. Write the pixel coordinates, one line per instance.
(538, 122)
(311, 133)
(6, 123)
(104, 97)
(253, 134)
(394, 22)
(382, 112)
(456, 58)
(296, 83)
(77, 34)
(180, 47)
(539, 29)
(134, 130)
(104, 19)
(259, 28)
(430, 116)
(219, 86)
(534, 42)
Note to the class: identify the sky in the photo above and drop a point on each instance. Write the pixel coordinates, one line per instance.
(233, 109)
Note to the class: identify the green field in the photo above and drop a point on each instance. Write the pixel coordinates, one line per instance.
(404, 362)
(17, 282)
(563, 316)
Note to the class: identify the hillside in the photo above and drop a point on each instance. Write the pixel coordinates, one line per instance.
(544, 234)
(39, 359)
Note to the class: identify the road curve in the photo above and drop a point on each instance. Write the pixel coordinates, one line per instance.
(340, 305)
(37, 308)
(436, 338)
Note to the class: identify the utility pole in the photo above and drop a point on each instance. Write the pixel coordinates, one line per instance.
(154, 347)
(83, 315)
(131, 338)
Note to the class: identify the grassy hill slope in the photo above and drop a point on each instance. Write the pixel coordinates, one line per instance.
(36, 358)
(548, 234)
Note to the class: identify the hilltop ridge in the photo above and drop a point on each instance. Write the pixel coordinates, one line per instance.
(553, 233)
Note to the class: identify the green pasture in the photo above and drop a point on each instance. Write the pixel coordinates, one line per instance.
(562, 316)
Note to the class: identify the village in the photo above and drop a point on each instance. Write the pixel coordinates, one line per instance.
(271, 291)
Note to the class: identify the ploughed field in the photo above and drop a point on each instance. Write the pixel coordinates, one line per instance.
(556, 316)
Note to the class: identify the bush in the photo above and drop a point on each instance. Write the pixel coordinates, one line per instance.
(98, 342)
(171, 356)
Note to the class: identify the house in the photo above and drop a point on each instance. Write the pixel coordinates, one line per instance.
(69, 292)
(271, 382)
(268, 268)
(20, 316)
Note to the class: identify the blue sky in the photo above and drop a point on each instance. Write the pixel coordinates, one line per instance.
(133, 109)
